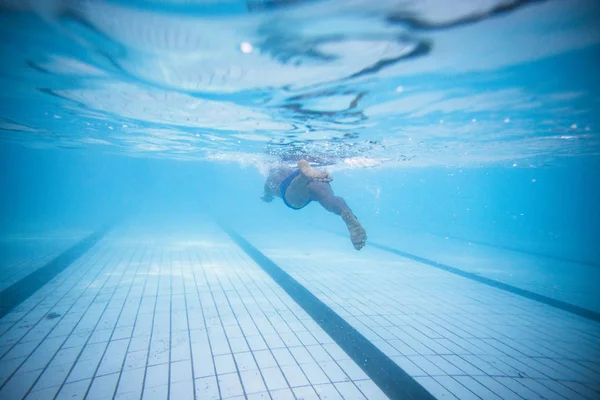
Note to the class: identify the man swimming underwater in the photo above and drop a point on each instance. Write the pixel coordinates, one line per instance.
(299, 186)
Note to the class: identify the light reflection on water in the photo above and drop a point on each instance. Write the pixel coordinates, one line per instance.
(357, 84)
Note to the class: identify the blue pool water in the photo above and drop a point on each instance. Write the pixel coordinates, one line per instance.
(137, 260)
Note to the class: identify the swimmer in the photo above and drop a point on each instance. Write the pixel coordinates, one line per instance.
(299, 186)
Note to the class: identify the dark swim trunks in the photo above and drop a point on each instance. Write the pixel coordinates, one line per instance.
(284, 187)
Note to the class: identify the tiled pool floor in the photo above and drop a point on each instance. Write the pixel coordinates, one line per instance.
(164, 316)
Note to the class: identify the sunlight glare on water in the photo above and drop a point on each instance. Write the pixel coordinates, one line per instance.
(358, 83)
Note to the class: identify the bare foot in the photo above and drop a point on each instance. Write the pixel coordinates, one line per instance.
(313, 174)
(358, 235)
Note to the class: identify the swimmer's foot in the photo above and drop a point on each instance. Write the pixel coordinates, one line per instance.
(313, 174)
(358, 236)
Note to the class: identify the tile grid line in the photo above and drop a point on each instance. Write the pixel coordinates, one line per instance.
(208, 339)
(210, 289)
(302, 368)
(135, 319)
(390, 378)
(117, 286)
(83, 314)
(302, 343)
(280, 338)
(19, 291)
(62, 385)
(245, 261)
(568, 307)
(548, 378)
(513, 249)
(423, 344)
(74, 325)
(110, 339)
(508, 355)
(246, 339)
(45, 336)
(379, 335)
(187, 319)
(34, 307)
(169, 373)
(149, 347)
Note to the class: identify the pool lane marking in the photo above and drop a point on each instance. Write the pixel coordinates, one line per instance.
(513, 249)
(383, 371)
(549, 301)
(21, 290)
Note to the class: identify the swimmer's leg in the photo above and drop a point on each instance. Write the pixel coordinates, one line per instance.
(323, 193)
(312, 173)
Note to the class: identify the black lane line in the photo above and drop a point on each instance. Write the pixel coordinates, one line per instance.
(22, 289)
(580, 311)
(386, 374)
(515, 249)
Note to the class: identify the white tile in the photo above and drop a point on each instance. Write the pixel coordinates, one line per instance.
(160, 392)
(427, 366)
(207, 388)
(181, 371)
(348, 390)
(113, 358)
(245, 361)
(66, 355)
(225, 364)
(283, 357)
(315, 375)
(135, 359)
(319, 354)
(100, 335)
(19, 384)
(230, 385)
(157, 375)
(103, 387)
(131, 382)
(308, 393)
(274, 341)
(477, 388)
(21, 350)
(265, 359)
(352, 370)
(44, 394)
(74, 390)
(238, 345)
(7, 367)
(328, 391)
(42, 355)
(53, 376)
(435, 388)
(301, 355)
(282, 394)
(456, 388)
(256, 343)
(182, 390)
(253, 381)
(295, 376)
(274, 378)
(334, 372)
